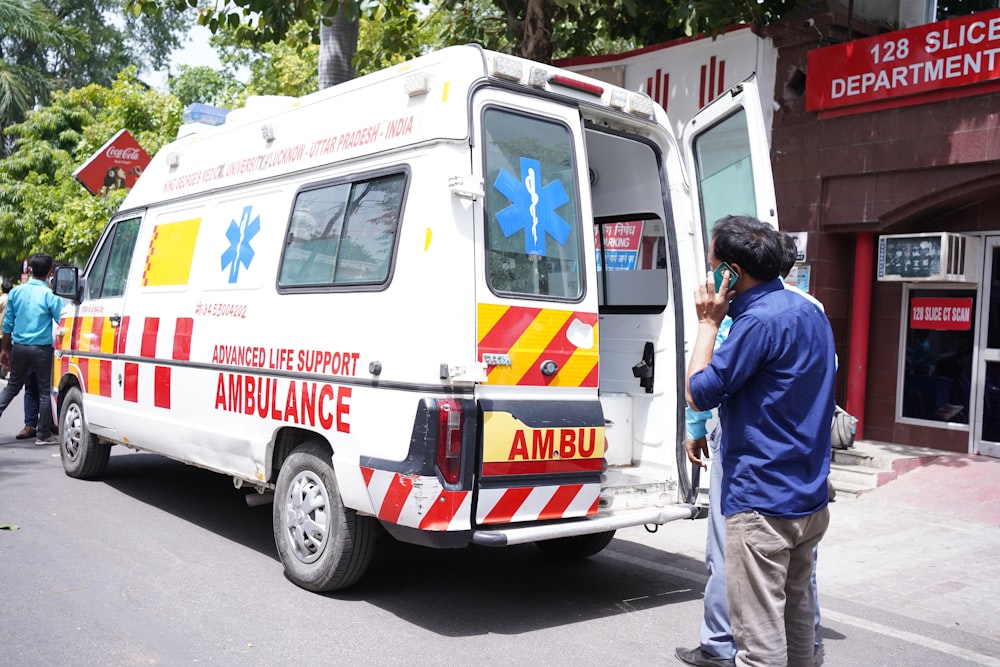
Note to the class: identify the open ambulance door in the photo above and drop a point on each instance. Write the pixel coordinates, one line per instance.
(727, 154)
(727, 150)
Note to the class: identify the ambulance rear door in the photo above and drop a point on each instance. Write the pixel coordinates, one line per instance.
(728, 159)
(542, 435)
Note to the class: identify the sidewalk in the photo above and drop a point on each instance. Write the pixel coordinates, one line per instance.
(924, 545)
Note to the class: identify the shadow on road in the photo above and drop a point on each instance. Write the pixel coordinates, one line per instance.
(202, 497)
(478, 590)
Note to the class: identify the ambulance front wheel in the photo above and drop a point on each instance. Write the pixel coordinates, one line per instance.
(83, 455)
(578, 546)
(322, 545)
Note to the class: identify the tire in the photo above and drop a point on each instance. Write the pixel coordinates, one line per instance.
(577, 547)
(83, 455)
(323, 546)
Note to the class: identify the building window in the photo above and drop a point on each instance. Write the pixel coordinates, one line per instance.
(937, 357)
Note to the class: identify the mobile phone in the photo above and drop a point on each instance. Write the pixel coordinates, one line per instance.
(733, 276)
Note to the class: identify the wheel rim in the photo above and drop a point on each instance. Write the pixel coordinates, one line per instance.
(307, 516)
(72, 431)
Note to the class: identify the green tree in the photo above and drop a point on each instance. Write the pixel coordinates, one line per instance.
(20, 84)
(42, 206)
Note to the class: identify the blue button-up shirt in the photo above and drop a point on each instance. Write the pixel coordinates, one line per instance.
(774, 380)
(31, 310)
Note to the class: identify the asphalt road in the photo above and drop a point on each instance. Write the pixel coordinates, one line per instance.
(163, 564)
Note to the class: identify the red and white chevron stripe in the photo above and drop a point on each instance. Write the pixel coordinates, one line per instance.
(537, 503)
(417, 501)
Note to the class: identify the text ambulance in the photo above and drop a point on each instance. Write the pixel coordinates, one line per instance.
(444, 300)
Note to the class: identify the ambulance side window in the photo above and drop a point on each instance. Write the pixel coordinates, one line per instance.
(532, 222)
(109, 271)
(343, 234)
(725, 175)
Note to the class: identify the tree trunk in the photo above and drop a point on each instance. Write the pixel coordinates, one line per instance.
(338, 43)
(536, 42)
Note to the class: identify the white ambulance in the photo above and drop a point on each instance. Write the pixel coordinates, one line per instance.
(448, 301)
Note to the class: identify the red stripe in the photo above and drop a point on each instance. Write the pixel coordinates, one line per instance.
(442, 510)
(121, 336)
(701, 88)
(666, 91)
(658, 91)
(542, 467)
(711, 78)
(591, 379)
(508, 330)
(74, 339)
(150, 329)
(84, 363)
(557, 505)
(96, 330)
(367, 474)
(395, 498)
(64, 365)
(132, 382)
(593, 508)
(105, 385)
(182, 338)
(507, 506)
(161, 387)
(722, 75)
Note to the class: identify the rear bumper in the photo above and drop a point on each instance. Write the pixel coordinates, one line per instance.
(508, 536)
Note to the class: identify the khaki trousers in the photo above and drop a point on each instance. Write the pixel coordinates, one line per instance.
(769, 563)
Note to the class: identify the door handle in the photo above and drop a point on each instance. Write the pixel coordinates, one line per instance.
(115, 320)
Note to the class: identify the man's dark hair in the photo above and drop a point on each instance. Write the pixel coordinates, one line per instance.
(40, 264)
(754, 245)
(791, 254)
(7, 285)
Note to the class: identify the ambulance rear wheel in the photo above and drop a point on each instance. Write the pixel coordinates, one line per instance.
(83, 455)
(322, 545)
(578, 546)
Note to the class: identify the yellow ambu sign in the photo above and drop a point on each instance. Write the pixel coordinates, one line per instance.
(510, 447)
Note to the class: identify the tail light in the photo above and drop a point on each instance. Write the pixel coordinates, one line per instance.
(449, 450)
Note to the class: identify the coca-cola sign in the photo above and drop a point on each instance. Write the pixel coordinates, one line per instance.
(116, 165)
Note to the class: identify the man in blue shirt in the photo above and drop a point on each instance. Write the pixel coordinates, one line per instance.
(773, 379)
(27, 340)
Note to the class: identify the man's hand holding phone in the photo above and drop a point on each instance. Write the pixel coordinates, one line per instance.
(712, 296)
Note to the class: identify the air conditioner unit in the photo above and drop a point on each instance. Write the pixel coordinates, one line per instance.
(928, 258)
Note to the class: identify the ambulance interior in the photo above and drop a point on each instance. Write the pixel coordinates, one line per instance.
(640, 349)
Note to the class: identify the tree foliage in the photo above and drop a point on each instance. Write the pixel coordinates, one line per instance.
(48, 45)
(42, 207)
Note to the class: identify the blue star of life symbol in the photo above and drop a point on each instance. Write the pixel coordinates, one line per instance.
(533, 207)
(239, 235)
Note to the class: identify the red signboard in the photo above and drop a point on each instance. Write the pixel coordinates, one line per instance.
(926, 59)
(117, 164)
(941, 314)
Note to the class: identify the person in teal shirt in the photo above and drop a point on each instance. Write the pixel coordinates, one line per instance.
(32, 308)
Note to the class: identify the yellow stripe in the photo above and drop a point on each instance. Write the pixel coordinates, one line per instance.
(94, 376)
(489, 315)
(108, 337)
(86, 341)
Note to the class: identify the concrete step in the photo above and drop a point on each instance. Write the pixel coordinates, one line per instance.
(869, 465)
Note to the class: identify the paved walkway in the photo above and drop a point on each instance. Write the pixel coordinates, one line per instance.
(925, 546)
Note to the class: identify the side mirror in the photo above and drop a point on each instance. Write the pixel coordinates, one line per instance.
(66, 283)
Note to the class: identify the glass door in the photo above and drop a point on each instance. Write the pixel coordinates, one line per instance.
(986, 430)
